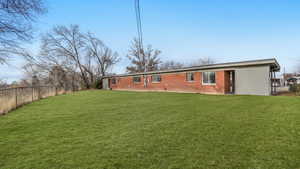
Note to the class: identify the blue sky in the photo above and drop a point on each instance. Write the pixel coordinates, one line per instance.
(226, 30)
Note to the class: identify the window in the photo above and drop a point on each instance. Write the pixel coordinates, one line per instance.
(137, 79)
(113, 81)
(156, 78)
(209, 78)
(189, 77)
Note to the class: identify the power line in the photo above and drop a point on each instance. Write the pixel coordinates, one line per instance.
(140, 33)
(139, 24)
(140, 37)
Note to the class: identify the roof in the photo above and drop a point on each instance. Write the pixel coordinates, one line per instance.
(271, 62)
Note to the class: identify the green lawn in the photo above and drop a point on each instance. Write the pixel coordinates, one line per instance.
(110, 130)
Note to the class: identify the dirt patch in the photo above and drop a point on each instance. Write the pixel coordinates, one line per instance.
(286, 94)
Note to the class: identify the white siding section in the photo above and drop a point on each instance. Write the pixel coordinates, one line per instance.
(253, 81)
(105, 84)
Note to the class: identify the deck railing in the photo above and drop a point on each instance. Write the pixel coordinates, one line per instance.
(12, 98)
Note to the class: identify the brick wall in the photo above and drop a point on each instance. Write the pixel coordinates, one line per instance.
(175, 82)
(227, 81)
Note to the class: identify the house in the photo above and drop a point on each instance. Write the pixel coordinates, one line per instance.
(291, 78)
(243, 78)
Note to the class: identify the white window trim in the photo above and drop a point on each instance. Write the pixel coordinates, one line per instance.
(191, 81)
(209, 84)
(135, 81)
(156, 81)
(114, 80)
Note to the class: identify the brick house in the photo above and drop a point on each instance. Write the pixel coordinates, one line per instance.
(248, 77)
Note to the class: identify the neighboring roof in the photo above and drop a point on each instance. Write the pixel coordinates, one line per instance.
(292, 79)
(271, 62)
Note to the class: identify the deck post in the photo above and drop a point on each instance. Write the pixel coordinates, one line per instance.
(275, 91)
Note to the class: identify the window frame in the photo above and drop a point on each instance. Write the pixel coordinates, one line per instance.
(156, 81)
(113, 81)
(186, 76)
(212, 84)
(136, 77)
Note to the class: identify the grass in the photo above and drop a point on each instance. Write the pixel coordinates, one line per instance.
(110, 130)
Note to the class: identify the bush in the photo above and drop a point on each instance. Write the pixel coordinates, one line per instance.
(295, 88)
(97, 84)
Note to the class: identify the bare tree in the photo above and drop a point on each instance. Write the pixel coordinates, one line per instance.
(58, 76)
(69, 44)
(3, 84)
(204, 61)
(35, 81)
(16, 18)
(175, 65)
(24, 83)
(36, 68)
(170, 65)
(90, 68)
(298, 67)
(143, 59)
(44, 65)
(105, 58)
(64, 78)
(55, 75)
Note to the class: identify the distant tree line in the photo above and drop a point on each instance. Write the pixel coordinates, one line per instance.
(149, 59)
(3, 84)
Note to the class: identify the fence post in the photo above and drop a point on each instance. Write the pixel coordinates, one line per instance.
(31, 94)
(16, 96)
(39, 97)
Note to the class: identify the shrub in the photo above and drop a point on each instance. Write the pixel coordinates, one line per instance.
(295, 88)
(98, 84)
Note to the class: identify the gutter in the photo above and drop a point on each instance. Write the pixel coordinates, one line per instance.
(271, 62)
